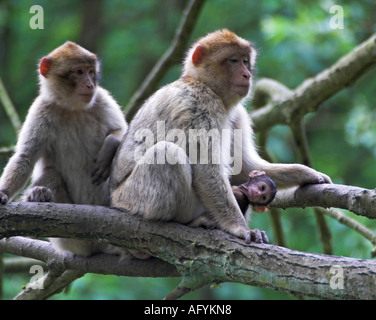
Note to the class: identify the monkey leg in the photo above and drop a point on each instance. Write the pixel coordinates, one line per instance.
(160, 186)
(48, 187)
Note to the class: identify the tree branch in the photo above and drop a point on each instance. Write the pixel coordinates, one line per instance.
(358, 200)
(20, 265)
(200, 256)
(281, 105)
(9, 107)
(173, 54)
(300, 138)
(100, 263)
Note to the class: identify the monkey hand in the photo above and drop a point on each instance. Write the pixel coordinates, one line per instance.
(3, 197)
(322, 178)
(306, 175)
(260, 208)
(248, 235)
(101, 172)
(259, 236)
(39, 194)
(255, 173)
(103, 160)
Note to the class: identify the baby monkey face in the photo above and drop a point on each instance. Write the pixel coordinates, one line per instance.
(259, 192)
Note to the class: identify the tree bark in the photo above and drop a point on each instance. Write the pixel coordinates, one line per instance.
(200, 256)
(358, 200)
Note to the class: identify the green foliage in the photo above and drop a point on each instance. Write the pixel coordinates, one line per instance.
(294, 41)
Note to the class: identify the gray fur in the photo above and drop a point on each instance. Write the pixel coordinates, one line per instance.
(203, 98)
(57, 145)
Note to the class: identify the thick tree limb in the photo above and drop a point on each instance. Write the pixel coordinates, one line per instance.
(201, 256)
(281, 105)
(173, 55)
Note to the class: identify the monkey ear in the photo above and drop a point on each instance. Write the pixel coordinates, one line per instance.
(45, 65)
(198, 54)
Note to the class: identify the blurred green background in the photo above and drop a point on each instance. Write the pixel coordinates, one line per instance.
(294, 40)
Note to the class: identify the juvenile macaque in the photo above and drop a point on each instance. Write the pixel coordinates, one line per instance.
(68, 139)
(258, 191)
(187, 186)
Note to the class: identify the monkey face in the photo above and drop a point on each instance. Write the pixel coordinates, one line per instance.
(260, 193)
(224, 62)
(238, 69)
(69, 75)
(83, 79)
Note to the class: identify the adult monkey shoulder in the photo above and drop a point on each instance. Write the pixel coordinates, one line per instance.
(217, 77)
(68, 138)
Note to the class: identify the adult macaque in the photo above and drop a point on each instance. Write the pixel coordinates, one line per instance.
(258, 191)
(68, 139)
(217, 77)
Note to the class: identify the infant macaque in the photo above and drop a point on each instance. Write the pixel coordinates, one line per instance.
(259, 191)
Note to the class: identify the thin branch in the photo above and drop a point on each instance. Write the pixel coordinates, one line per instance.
(21, 265)
(64, 268)
(9, 107)
(51, 283)
(275, 214)
(173, 54)
(351, 223)
(282, 107)
(300, 138)
(6, 151)
(357, 200)
(99, 264)
(189, 283)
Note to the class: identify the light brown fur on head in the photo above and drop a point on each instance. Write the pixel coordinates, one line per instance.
(208, 61)
(215, 43)
(220, 39)
(59, 81)
(70, 52)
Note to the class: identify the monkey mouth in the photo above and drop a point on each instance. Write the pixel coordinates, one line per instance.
(245, 86)
(86, 96)
(242, 89)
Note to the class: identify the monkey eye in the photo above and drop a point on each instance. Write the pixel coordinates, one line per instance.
(79, 71)
(233, 59)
